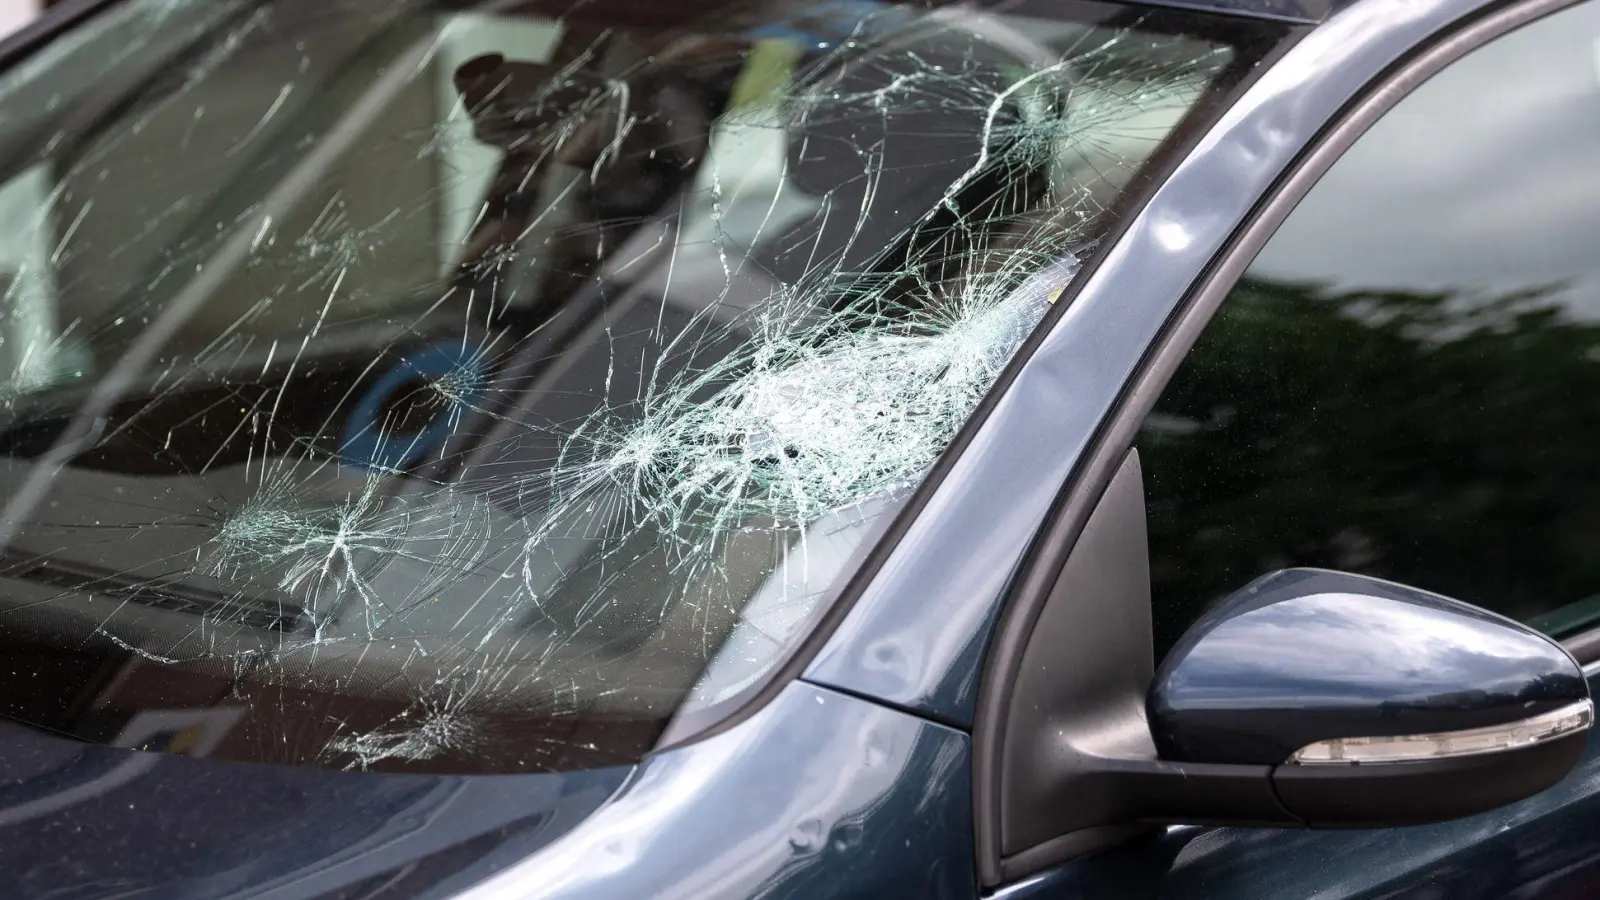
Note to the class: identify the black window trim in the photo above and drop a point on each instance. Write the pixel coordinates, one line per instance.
(1116, 434)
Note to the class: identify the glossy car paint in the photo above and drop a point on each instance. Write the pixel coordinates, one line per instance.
(1304, 655)
(817, 795)
(83, 820)
(1542, 847)
(795, 799)
(916, 634)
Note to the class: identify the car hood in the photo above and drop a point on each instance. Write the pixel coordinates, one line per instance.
(79, 820)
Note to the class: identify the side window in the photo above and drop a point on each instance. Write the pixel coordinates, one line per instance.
(1406, 382)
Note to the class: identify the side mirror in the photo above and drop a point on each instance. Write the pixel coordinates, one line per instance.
(1307, 698)
(1375, 703)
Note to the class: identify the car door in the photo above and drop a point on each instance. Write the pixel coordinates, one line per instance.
(1399, 380)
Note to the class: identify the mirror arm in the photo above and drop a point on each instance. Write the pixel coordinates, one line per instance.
(1078, 767)
(1119, 781)
(1156, 792)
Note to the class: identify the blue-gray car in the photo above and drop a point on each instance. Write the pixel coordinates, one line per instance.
(696, 449)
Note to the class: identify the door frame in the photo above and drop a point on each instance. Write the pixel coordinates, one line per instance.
(1031, 588)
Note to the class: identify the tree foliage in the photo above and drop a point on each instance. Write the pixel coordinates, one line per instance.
(1436, 439)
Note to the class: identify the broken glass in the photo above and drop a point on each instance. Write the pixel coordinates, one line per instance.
(401, 386)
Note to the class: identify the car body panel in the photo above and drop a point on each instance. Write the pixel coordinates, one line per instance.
(105, 822)
(817, 795)
(820, 794)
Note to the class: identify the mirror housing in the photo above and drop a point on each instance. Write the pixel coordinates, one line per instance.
(1376, 703)
(1308, 698)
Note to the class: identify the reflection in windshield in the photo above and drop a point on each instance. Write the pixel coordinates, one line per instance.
(401, 389)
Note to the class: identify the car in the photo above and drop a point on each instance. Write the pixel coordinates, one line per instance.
(1029, 449)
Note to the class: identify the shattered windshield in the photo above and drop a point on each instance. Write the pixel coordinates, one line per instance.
(402, 386)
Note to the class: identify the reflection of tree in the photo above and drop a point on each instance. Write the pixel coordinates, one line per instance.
(1434, 439)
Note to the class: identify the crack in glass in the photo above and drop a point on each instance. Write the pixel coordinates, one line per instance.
(471, 391)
